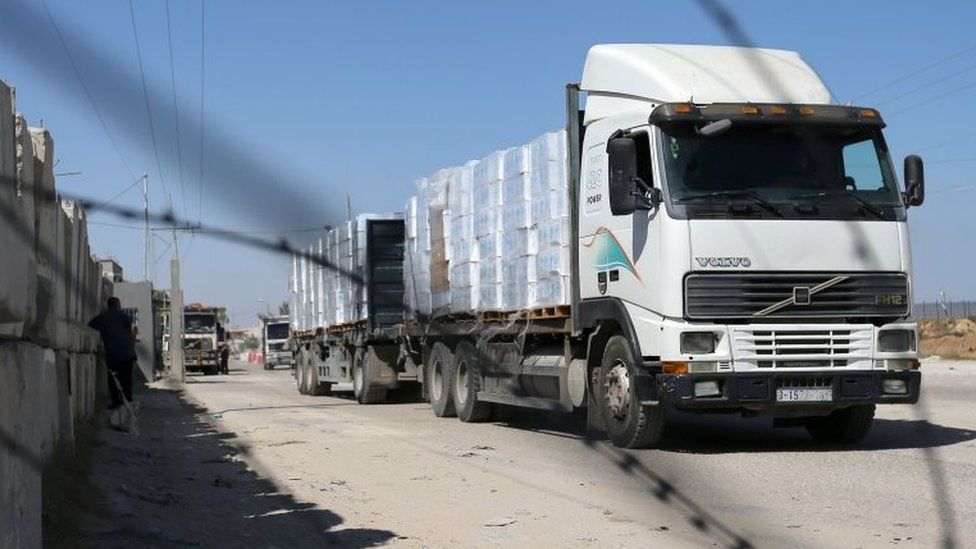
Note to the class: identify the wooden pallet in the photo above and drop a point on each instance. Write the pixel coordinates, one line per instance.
(347, 327)
(556, 311)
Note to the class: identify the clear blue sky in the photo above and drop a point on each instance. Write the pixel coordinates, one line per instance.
(308, 100)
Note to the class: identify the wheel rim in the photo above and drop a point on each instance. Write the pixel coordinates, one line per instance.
(461, 384)
(617, 390)
(436, 381)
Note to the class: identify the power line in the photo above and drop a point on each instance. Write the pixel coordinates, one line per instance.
(927, 85)
(88, 94)
(145, 93)
(203, 118)
(123, 191)
(916, 72)
(176, 108)
(933, 99)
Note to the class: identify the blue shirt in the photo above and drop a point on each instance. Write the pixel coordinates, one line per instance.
(115, 328)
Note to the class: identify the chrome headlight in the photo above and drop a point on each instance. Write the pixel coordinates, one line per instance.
(698, 343)
(896, 341)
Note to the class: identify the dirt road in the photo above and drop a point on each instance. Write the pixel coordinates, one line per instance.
(395, 474)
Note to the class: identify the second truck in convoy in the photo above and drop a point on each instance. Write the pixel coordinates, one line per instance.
(737, 242)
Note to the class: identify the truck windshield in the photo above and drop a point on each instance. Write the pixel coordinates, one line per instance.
(781, 170)
(278, 331)
(199, 323)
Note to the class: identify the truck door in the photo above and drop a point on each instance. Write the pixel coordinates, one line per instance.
(616, 251)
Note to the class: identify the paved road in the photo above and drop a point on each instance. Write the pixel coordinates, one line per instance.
(533, 478)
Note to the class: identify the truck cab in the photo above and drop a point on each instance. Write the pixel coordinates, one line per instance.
(274, 346)
(744, 234)
(202, 334)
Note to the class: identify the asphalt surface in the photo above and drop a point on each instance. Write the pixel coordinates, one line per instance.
(533, 478)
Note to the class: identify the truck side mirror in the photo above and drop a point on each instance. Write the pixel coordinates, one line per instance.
(914, 181)
(622, 152)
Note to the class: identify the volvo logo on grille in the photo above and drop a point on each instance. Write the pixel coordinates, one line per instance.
(724, 261)
(801, 295)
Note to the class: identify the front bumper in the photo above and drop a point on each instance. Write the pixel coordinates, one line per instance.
(757, 391)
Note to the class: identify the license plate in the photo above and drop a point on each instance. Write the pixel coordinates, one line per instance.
(819, 394)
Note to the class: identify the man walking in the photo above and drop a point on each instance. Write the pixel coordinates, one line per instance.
(118, 338)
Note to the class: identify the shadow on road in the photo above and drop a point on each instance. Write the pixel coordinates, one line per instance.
(716, 434)
(182, 483)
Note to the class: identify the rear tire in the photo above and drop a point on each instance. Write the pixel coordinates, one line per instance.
(844, 426)
(300, 373)
(467, 383)
(362, 380)
(628, 423)
(316, 387)
(439, 370)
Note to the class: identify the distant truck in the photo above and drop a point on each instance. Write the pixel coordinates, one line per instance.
(737, 243)
(274, 342)
(202, 336)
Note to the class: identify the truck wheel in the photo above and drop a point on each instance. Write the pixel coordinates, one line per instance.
(300, 374)
(843, 426)
(439, 380)
(315, 387)
(627, 422)
(362, 380)
(467, 383)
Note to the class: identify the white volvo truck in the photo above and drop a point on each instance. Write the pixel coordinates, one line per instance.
(740, 245)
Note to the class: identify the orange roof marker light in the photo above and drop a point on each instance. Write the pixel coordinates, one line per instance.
(867, 113)
(682, 108)
(749, 109)
(778, 110)
(807, 111)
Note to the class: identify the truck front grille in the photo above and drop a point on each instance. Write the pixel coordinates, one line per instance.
(812, 346)
(795, 295)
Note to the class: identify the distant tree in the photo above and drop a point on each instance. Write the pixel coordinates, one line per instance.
(283, 308)
(251, 342)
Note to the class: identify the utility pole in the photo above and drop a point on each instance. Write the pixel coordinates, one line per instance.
(177, 370)
(177, 367)
(148, 234)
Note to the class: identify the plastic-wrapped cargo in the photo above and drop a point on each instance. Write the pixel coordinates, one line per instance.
(498, 232)
(366, 264)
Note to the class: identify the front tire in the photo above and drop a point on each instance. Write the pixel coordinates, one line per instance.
(439, 380)
(467, 383)
(844, 426)
(628, 423)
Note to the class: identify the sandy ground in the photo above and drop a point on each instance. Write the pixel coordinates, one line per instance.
(245, 460)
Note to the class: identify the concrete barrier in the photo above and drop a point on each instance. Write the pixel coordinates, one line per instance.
(15, 234)
(20, 444)
(50, 286)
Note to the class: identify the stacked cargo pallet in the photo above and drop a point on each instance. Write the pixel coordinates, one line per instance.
(492, 235)
(332, 295)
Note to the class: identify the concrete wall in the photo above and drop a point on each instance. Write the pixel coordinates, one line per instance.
(50, 286)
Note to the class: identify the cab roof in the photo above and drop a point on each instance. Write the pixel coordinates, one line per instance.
(625, 77)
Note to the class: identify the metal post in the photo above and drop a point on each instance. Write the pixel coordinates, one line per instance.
(176, 367)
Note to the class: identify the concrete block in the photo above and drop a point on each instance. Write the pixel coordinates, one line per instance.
(45, 204)
(49, 416)
(20, 444)
(66, 420)
(16, 235)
